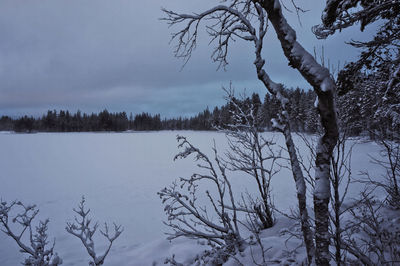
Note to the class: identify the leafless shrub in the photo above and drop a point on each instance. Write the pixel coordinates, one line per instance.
(189, 218)
(83, 230)
(249, 152)
(36, 248)
(370, 234)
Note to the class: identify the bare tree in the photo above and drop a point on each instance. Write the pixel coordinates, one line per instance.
(83, 230)
(252, 153)
(189, 218)
(36, 248)
(248, 20)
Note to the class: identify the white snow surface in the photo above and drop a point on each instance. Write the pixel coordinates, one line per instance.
(120, 174)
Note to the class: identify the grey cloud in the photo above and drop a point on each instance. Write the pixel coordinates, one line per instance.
(98, 54)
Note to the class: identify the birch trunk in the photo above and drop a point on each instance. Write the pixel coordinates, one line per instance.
(284, 128)
(324, 86)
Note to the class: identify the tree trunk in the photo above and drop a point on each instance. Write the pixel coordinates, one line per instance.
(324, 86)
(301, 195)
(284, 128)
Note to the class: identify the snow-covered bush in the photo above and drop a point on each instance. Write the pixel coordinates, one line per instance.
(34, 242)
(188, 217)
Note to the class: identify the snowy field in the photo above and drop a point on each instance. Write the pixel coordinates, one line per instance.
(119, 174)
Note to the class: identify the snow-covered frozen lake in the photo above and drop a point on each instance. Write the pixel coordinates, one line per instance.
(119, 174)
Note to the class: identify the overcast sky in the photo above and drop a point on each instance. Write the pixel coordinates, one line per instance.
(115, 54)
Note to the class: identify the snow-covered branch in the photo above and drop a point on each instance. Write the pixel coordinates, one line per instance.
(38, 253)
(225, 22)
(340, 14)
(83, 230)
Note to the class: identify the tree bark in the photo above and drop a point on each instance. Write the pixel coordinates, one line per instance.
(301, 195)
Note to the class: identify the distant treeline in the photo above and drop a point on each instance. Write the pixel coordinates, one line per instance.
(304, 117)
(64, 121)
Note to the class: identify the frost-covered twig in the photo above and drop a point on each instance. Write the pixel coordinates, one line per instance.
(227, 23)
(39, 254)
(83, 230)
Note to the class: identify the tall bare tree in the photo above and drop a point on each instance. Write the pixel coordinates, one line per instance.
(248, 20)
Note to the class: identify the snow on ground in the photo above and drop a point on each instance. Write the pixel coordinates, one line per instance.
(120, 174)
